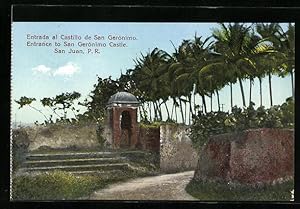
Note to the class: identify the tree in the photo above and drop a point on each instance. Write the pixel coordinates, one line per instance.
(238, 46)
(99, 96)
(63, 102)
(27, 101)
(270, 33)
(148, 71)
(286, 48)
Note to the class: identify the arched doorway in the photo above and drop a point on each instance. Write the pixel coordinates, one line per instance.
(126, 126)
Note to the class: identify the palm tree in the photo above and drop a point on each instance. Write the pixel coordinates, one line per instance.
(270, 33)
(179, 71)
(148, 70)
(190, 57)
(261, 67)
(238, 46)
(287, 50)
(230, 43)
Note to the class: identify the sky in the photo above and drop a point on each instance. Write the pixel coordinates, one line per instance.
(37, 71)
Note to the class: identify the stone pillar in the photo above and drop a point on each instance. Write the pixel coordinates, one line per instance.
(134, 130)
(116, 127)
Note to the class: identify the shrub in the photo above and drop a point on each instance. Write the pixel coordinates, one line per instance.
(54, 185)
(214, 123)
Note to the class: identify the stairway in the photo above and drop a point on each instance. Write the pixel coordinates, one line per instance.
(79, 162)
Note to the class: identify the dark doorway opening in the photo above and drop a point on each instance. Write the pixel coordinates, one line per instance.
(125, 130)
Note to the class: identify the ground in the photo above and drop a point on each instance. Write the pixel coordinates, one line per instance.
(163, 187)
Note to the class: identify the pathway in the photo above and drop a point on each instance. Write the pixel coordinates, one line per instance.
(163, 187)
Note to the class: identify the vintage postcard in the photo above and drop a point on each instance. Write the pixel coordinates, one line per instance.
(197, 111)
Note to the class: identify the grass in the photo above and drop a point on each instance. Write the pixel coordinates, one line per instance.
(215, 191)
(61, 185)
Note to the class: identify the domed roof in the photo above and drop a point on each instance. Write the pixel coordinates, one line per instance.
(123, 98)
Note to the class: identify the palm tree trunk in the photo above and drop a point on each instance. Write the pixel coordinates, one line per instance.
(204, 103)
(181, 110)
(149, 107)
(260, 90)
(270, 88)
(218, 97)
(242, 92)
(231, 99)
(155, 111)
(168, 113)
(158, 105)
(140, 112)
(185, 104)
(172, 111)
(211, 102)
(293, 85)
(175, 110)
(191, 108)
(195, 103)
(250, 93)
(176, 116)
(144, 112)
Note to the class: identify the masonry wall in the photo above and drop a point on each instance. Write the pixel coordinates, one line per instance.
(260, 156)
(176, 151)
(61, 136)
(149, 139)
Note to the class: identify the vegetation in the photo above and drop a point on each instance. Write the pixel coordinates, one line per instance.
(239, 119)
(199, 68)
(215, 191)
(58, 185)
(59, 106)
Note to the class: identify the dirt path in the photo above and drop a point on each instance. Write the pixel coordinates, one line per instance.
(164, 187)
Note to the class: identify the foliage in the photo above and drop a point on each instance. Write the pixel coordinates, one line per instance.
(100, 138)
(62, 102)
(103, 90)
(24, 101)
(216, 191)
(214, 123)
(59, 105)
(199, 66)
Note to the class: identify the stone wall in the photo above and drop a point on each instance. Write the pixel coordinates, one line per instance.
(260, 156)
(176, 151)
(148, 138)
(62, 136)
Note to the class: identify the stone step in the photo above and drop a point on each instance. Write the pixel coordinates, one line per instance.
(75, 161)
(108, 172)
(73, 155)
(72, 168)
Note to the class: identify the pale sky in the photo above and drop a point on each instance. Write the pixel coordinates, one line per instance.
(39, 72)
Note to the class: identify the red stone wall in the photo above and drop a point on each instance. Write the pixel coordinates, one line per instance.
(149, 139)
(214, 159)
(251, 157)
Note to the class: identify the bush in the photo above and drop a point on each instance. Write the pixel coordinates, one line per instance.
(53, 186)
(215, 123)
(19, 147)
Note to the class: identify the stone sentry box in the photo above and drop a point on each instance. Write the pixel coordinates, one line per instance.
(121, 121)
